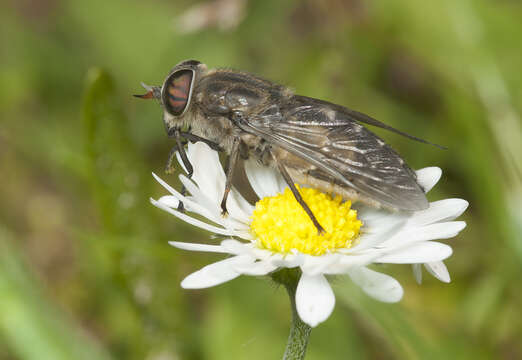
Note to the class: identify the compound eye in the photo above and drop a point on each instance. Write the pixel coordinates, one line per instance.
(177, 91)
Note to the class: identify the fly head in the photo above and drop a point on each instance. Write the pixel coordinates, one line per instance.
(175, 95)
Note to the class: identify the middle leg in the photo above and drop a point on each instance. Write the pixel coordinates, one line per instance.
(232, 162)
(298, 197)
(180, 147)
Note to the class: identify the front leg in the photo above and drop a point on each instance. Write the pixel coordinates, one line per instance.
(194, 138)
(180, 147)
(181, 138)
(187, 135)
(232, 161)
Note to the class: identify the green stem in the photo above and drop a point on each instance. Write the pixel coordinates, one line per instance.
(299, 331)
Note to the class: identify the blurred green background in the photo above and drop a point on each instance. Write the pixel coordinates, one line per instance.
(85, 268)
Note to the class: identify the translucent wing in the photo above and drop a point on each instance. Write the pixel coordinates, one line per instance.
(340, 150)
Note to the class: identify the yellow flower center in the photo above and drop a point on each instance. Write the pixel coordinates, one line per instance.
(280, 224)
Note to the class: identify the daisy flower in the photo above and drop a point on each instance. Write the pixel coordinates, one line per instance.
(276, 234)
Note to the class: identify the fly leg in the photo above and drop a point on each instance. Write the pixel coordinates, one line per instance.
(174, 132)
(194, 138)
(186, 162)
(298, 196)
(179, 136)
(170, 167)
(232, 161)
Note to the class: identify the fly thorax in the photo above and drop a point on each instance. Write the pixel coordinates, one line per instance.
(214, 128)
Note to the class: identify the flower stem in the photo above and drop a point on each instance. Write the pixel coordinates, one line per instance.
(299, 331)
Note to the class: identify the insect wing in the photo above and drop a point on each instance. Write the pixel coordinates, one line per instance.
(341, 149)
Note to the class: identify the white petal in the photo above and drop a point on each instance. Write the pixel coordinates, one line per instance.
(428, 177)
(265, 180)
(193, 221)
(436, 231)
(379, 286)
(198, 247)
(232, 246)
(208, 172)
(210, 178)
(180, 161)
(246, 235)
(350, 261)
(314, 299)
(379, 225)
(238, 213)
(201, 205)
(417, 272)
(377, 219)
(262, 254)
(215, 274)
(443, 210)
(423, 252)
(169, 188)
(198, 196)
(438, 270)
(258, 268)
(238, 207)
(369, 213)
(169, 200)
(374, 237)
(193, 206)
(314, 265)
(287, 261)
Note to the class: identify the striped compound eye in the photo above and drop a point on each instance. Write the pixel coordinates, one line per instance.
(177, 91)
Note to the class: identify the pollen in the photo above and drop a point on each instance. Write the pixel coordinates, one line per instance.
(281, 225)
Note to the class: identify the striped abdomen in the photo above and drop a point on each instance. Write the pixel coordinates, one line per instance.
(177, 91)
